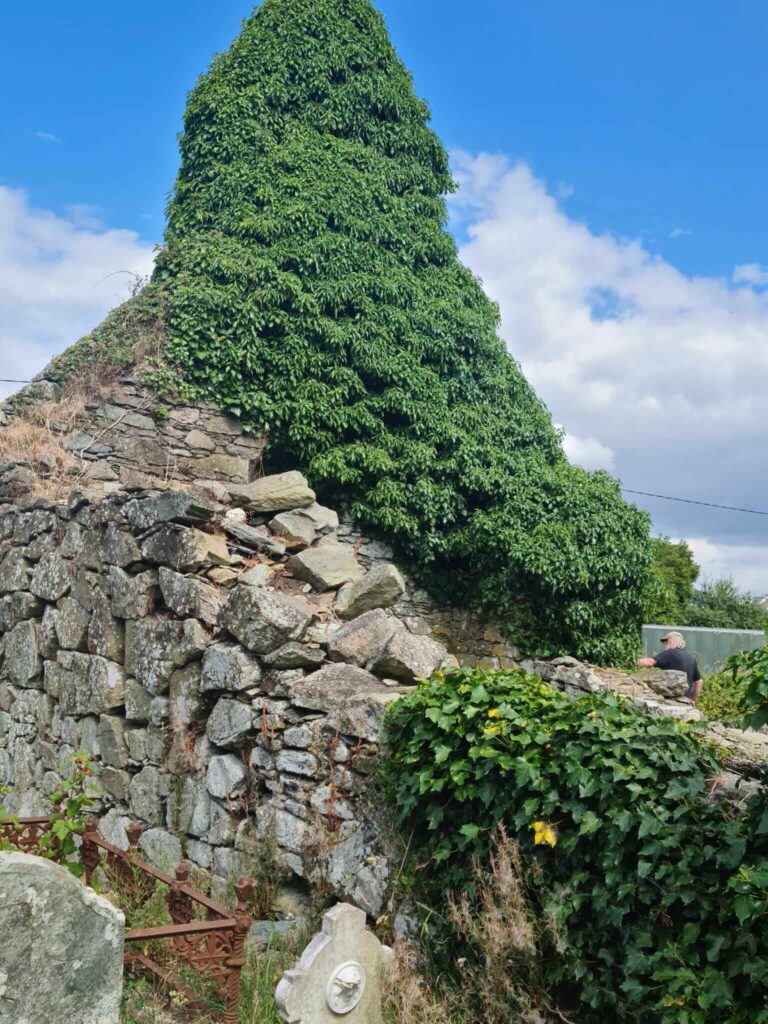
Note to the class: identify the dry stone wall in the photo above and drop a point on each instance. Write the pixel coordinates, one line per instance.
(136, 438)
(227, 666)
(225, 650)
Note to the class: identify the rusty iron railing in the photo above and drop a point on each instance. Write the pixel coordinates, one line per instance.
(213, 947)
(25, 833)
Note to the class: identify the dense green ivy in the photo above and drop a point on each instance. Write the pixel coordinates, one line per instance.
(313, 289)
(660, 890)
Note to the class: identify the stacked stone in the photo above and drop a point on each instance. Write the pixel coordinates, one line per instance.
(136, 438)
(226, 665)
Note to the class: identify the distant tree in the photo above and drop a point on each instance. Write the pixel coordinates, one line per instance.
(674, 573)
(719, 605)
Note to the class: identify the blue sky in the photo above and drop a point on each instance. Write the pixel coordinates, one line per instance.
(613, 163)
(651, 111)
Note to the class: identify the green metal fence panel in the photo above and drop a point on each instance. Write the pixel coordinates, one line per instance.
(711, 647)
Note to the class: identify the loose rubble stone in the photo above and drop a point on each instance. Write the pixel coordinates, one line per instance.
(133, 597)
(22, 655)
(264, 621)
(325, 567)
(360, 641)
(106, 633)
(119, 548)
(189, 596)
(357, 699)
(408, 657)
(295, 529)
(382, 587)
(226, 777)
(138, 702)
(170, 507)
(229, 667)
(89, 685)
(278, 493)
(258, 576)
(229, 723)
(15, 572)
(295, 655)
(253, 539)
(185, 549)
(161, 849)
(52, 578)
(48, 917)
(16, 608)
(71, 624)
(146, 793)
(186, 703)
(154, 649)
(324, 520)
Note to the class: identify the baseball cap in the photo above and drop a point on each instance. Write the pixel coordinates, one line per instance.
(673, 635)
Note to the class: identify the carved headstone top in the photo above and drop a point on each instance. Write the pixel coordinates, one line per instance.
(61, 955)
(339, 976)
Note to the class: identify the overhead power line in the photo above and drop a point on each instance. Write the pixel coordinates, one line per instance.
(690, 501)
(6, 380)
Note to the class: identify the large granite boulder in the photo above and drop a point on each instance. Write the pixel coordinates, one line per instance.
(326, 566)
(263, 620)
(185, 549)
(360, 641)
(229, 667)
(408, 657)
(356, 699)
(278, 493)
(189, 596)
(382, 587)
(61, 958)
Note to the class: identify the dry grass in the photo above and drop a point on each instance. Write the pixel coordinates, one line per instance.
(501, 980)
(33, 436)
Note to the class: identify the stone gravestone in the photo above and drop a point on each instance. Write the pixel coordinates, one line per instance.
(61, 947)
(339, 976)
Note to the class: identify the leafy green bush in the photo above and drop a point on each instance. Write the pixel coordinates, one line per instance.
(312, 289)
(660, 892)
(723, 698)
(749, 670)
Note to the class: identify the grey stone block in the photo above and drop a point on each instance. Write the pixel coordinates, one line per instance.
(262, 620)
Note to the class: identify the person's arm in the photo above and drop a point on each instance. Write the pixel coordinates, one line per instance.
(698, 682)
(647, 662)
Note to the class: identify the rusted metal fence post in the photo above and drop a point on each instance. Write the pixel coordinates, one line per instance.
(244, 891)
(89, 851)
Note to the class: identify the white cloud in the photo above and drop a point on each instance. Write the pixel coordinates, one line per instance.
(748, 564)
(750, 273)
(679, 232)
(47, 137)
(665, 372)
(59, 275)
(588, 453)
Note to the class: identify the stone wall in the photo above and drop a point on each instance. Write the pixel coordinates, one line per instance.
(227, 666)
(226, 654)
(136, 438)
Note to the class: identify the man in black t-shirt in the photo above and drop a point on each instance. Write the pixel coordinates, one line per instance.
(675, 657)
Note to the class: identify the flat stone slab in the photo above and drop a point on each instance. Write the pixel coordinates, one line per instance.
(61, 956)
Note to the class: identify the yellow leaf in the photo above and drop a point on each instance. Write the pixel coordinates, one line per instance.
(544, 833)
